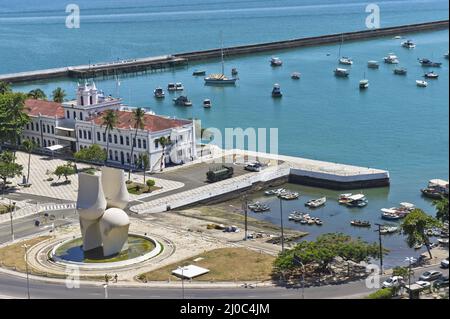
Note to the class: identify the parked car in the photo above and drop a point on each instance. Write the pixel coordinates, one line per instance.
(441, 282)
(444, 263)
(423, 284)
(431, 275)
(253, 166)
(395, 281)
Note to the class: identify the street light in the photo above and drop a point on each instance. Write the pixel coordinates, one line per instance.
(381, 247)
(182, 281)
(245, 208)
(281, 224)
(299, 262)
(26, 266)
(410, 260)
(105, 286)
(11, 218)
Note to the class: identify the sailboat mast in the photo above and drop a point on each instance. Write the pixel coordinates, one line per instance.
(340, 45)
(221, 51)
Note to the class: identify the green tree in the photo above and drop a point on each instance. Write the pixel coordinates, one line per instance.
(144, 163)
(5, 87)
(441, 206)
(12, 117)
(415, 226)
(94, 153)
(59, 95)
(138, 118)
(164, 142)
(37, 94)
(65, 170)
(8, 168)
(29, 145)
(109, 122)
(401, 271)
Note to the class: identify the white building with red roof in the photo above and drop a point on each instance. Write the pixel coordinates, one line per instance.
(77, 124)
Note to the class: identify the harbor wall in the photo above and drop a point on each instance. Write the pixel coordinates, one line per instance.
(181, 59)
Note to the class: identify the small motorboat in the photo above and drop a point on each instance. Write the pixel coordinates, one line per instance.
(345, 61)
(344, 198)
(391, 58)
(199, 73)
(234, 72)
(360, 223)
(421, 83)
(397, 37)
(276, 91)
(319, 222)
(436, 189)
(311, 221)
(276, 62)
(258, 207)
(408, 44)
(357, 200)
(373, 64)
(418, 246)
(295, 76)
(182, 101)
(289, 195)
(390, 214)
(446, 55)
(207, 103)
(314, 203)
(275, 191)
(364, 84)
(385, 229)
(431, 75)
(428, 63)
(400, 71)
(159, 93)
(175, 87)
(340, 72)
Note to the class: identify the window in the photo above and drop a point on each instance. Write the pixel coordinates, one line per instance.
(38, 141)
(53, 142)
(116, 156)
(32, 126)
(98, 136)
(81, 116)
(45, 143)
(37, 127)
(68, 114)
(110, 155)
(43, 128)
(89, 135)
(53, 129)
(48, 128)
(128, 157)
(139, 143)
(121, 140)
(104, 137)
(32, 138)
(115, 139)
(110, 138)
(80, 133)
(144, 142)
(156, 143)
(28, 126)
(128, 142)
(134, 142)
(181, 137)
(74, 115)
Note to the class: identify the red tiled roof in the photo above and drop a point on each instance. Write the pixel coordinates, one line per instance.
(45, 108)
(152, 123)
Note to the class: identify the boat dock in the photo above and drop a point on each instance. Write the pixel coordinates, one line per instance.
(289, 169)
(170, 61)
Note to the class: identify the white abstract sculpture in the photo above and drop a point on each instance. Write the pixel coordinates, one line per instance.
(100, 227)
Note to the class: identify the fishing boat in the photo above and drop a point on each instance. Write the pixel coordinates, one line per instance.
(276, 91)
(171, 87)
(386, 229)
(319, 222)
(395, 213)
(391, 58)
(258, 207)
(207, 103)
(182, 101)
(364, 84)
(436, 189)
(289, 195)
(421, 83)
(372, 64)
(295, 76)
(220, 79)
(234, 72)
(311, 221)
(340, 72)
(446, 55)
(344, 198)
(357, 200)
(360, 223)
(199, 73)
(431, 75)
(314, 203)
(159, 93)
(343, 59)
(274, 191)
(408, 44)
(428, 63)
(276, 61)
(400, 71)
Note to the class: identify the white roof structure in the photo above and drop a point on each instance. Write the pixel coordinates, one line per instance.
(356, 197)
(190, 271)
(407, 205)
(55, 147)
(438, 182)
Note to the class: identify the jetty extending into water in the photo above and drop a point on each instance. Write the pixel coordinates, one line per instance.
(144, 65)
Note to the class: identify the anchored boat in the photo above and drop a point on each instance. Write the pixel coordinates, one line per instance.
(391, 58)
(373, 64)
(276, 61)
(314, 203)
(408, 44)
(182, 101)
(400, 71)
(220, 79)
(340, 72)
(431, 75)
(428, 63)
(421, 83)
(159, 93)
(276, 91)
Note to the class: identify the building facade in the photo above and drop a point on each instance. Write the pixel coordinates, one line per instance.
(74, 125)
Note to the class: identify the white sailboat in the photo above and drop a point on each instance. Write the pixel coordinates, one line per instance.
(343, 59)
(220, 79)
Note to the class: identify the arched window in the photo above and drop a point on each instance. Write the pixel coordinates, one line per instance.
(45, 143)
(110, 155)
(43, 128)
(80, 133)
(84, 134)
(74, 115)
(128, 142)
(89, 135)
(139, 143)
(68, 114)
(128, 157)
(48, 128)
(115, 139)
(121, 140)
(116, 156)
(53, 129)
(81, 116)
(38, 141)
(32, 126)
(144, 142)
(98, 136)
(110, 138)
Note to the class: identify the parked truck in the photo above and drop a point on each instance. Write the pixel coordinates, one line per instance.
(219, 173)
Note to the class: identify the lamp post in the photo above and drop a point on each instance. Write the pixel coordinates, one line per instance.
(182, 281)
(281, 224)
(105, 286)
(299, 262)
(11, 218)
(381, 247)
(26, 266)
(410, 260)
(245, 209)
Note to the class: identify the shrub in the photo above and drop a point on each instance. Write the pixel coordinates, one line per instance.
(150, 183)
(384, 293)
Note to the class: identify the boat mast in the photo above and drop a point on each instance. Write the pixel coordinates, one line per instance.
(340, 45)
(221, 52)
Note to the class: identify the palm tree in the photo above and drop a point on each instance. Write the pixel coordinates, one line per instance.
(5, 87)
(37, 94)
(144, 163)
(59, 95)
(109, 121)
(441, 206)
(164, 141)
(138, 117)
(29, 146)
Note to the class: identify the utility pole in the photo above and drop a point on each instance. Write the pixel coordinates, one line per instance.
(26, 266)
(245, 209)
(381, 247)
(106, 290)
(13, 210)
(410, 260)
(182, 281)
(281, 224)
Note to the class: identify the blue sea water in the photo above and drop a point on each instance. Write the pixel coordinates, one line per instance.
(393, 125)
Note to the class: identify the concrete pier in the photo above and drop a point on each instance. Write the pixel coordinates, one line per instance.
(181, 59)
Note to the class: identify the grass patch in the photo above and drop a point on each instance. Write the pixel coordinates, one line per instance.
(138, 188)
(13, 256)
(5, 209)
(225, 264)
